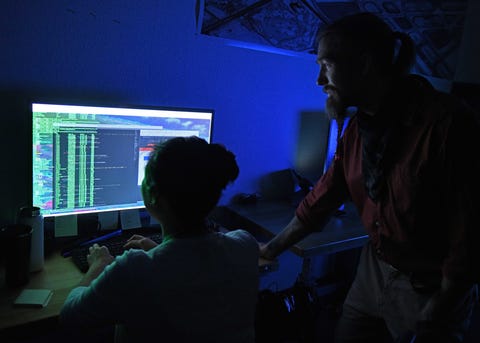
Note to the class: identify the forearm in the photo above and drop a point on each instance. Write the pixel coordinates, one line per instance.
(92, 273)
(294, 232)
(85, 309)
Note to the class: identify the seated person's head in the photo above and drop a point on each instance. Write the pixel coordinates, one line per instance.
(184, 179)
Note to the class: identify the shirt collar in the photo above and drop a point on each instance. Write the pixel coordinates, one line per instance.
(402, 102)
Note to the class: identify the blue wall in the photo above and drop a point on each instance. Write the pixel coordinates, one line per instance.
(148, 52)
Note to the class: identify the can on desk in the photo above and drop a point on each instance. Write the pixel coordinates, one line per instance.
(33, 217)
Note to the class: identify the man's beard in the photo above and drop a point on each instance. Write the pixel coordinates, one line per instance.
(335, 108)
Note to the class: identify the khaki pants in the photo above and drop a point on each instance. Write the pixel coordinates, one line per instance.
(382, 306)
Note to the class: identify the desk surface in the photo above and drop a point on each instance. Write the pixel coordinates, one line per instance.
(59, 275)
(267, 218)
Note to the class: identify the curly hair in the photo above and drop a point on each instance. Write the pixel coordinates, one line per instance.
(190, 174)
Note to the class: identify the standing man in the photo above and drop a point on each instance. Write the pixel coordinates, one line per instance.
(409, 161)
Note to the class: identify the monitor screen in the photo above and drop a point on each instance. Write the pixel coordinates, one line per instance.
(312, 144)
(332, 142)
(92, 159)
(316, 144)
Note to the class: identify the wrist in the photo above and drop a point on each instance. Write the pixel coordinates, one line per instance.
(267, 252)
(101, 263)
(95, 269)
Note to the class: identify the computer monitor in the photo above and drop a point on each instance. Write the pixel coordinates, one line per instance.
(316, 144)
(313, 145)
(92, 158)
(332, 142)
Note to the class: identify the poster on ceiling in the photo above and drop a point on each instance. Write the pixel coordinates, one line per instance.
(292, 25)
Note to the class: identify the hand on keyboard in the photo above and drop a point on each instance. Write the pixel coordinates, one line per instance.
(99, 255)
(116, 245)
(140, 242)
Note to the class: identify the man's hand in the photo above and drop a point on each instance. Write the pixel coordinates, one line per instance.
(140, 242)
(446, 300)
(261, 248)
(294, 232)
(264, 252)
(438, 311)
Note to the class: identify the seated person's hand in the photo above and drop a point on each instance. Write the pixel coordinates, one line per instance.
(99, 256)
(140, 242)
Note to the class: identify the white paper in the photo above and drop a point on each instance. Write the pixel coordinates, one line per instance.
(108, 220)
(130, 219)
(66, 226)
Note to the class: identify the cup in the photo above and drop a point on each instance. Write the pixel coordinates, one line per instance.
(16, 241)
(32, 217)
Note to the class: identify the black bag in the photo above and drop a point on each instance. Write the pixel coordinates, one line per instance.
(285, 316)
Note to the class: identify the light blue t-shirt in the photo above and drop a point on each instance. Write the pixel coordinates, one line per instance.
(201, 289)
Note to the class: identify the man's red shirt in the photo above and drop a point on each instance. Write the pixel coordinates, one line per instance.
(427, 217)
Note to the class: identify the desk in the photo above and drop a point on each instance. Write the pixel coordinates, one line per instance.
(267, 218)
(59, 274)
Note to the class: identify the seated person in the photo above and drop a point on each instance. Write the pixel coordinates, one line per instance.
(197, 285)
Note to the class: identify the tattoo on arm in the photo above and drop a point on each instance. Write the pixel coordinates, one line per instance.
(294, 232)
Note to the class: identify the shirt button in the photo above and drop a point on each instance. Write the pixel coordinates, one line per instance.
(377, 224)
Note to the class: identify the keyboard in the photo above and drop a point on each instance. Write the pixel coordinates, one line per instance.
(114, 244)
